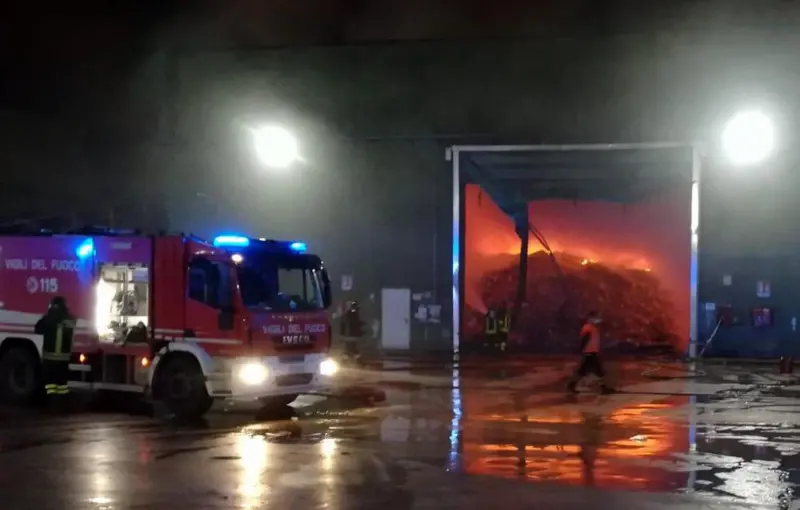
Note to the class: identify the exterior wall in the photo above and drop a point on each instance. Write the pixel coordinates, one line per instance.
(749, 231)
(743, 339)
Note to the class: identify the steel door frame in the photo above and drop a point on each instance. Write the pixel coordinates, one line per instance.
(453, 155)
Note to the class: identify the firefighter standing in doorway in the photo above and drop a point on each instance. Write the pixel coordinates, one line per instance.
(590, 359)
(490, 327)
(56, 327)
(504, 325)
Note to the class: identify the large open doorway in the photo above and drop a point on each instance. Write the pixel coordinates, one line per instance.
(611, 228)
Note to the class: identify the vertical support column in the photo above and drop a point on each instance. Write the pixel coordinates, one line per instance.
(523, 228)
(455, 157)
(694, 232)
(456, 437)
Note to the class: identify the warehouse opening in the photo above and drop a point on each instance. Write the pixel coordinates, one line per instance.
(605, 228)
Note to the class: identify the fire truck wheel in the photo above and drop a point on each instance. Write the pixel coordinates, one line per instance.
(19, 376)
(183, 389)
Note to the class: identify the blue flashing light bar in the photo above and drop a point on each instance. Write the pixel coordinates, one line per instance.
(231, 240)
(85, 249)
(298, 247)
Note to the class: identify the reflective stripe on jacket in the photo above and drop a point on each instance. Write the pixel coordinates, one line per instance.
(505, 323)
(57, 336)
(491, 325)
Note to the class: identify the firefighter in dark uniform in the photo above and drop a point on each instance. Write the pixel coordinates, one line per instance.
(352, 330)
(490, 327)
(56, 327)
(590, 350)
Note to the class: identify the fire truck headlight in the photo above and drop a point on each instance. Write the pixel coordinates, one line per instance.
(328, 367)
(252, 373)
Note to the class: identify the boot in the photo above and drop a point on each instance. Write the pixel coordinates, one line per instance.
(572, 386)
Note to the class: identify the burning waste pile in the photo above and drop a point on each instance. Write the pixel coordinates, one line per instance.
(637, 312)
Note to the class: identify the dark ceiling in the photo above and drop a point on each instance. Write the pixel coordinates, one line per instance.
(625, 174)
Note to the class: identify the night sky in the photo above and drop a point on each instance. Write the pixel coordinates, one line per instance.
(60, 59)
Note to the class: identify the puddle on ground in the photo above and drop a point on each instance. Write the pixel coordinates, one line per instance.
(742, 442)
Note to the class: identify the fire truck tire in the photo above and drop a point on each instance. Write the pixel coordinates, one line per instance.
(182, 388)
(20, 376)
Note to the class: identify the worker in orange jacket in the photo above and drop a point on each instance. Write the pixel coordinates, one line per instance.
(590, 350)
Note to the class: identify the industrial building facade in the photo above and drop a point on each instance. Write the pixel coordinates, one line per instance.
(375, 196)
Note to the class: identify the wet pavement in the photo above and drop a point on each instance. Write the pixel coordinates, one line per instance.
(504, 435)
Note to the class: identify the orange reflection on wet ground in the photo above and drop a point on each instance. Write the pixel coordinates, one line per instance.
(579, 446)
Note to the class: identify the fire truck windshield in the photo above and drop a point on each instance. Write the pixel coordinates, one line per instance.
(282, 284)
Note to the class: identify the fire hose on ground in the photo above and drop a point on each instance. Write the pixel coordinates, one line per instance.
(695, 373)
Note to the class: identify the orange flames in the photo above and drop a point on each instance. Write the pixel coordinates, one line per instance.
(648, 236)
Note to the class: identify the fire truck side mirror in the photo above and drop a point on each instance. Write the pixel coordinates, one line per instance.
(327, 295)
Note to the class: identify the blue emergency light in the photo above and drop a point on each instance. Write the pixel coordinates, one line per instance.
(85, 249)
(298, 247)
(231, 240)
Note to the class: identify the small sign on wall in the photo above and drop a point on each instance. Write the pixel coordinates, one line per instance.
(763, 289)
(347, 282)
(727, 280)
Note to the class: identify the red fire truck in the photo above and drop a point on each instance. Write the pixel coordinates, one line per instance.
(176, 318)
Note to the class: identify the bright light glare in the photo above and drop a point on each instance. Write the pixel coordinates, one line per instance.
(104, 294)
(328, 367)
(237, 258)
(85, 249)
(254, 456)
(298, 246)
(328, 447)
(253, 373)
(275, 146)
(230, 240)
(748, 138)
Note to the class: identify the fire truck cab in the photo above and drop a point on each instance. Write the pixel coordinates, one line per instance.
(176, 318)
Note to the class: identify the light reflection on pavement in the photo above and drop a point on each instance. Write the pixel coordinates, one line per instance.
(454, 439)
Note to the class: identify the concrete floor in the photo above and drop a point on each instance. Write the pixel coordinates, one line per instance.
(504, 436)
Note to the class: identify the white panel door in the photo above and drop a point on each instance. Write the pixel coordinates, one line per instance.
(396, 318)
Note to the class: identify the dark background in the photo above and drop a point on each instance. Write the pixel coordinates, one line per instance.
(133, 114)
